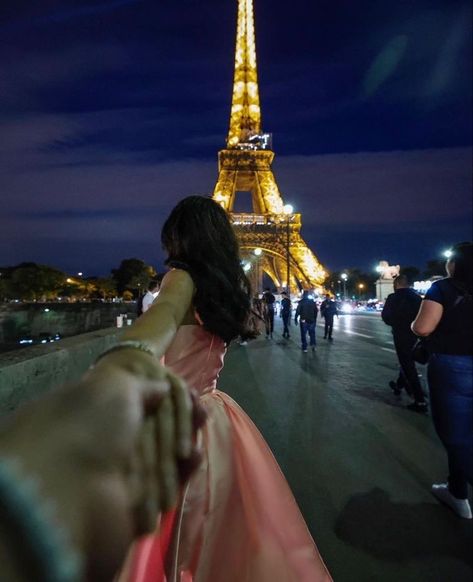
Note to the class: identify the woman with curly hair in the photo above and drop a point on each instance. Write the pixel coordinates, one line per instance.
(236, 520)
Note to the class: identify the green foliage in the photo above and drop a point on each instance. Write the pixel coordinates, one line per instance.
(412, 273)
(436, 267)
(36, 282)
(133, 274)
(355, 278)
(105, 287)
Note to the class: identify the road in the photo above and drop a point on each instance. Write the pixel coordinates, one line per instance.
(359, 463)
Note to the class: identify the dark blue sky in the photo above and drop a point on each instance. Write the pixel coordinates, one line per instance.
(110, 111)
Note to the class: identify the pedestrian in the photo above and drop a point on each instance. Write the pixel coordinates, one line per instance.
(307, 311)
(286, 308)
(399, 312)
(328, 310)
(256, 320)
(237, 519)
(445, 320)
(150, 295)
(268, 308)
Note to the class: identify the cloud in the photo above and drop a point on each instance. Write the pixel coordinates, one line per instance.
(23, 24)
(379, 187)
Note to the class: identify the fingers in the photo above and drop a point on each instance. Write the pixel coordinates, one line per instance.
(166, 458)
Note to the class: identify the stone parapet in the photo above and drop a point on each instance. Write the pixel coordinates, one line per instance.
(27, 373)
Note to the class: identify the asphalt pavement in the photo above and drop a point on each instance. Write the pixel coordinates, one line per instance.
(359, 463)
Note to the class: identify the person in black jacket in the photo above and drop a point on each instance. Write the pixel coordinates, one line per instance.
(399, 312)
(307, 311)
(328, 310)
(268, 304)
(286, 307)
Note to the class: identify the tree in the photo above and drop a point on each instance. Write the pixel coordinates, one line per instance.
(32, 281)
(105, 287)
(133, 274)
(435, 268)
(412, 273)
(358, 283)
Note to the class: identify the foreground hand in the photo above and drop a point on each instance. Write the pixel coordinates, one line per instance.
(110, 451)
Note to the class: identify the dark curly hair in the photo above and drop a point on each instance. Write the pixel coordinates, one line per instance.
(199, 238)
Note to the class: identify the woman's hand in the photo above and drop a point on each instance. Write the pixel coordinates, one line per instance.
(110, 451)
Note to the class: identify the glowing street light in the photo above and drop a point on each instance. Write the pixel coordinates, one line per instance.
(288, 209)
(448, 253)
(361, 286)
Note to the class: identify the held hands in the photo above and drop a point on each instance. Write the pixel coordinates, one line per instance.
(110, 452)
(170, 416)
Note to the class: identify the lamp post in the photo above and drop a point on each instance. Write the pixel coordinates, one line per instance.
(257, 252)
(344, 277)
(361, 287)
(288, 210)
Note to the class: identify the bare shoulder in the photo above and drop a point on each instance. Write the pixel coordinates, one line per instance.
(177, 278)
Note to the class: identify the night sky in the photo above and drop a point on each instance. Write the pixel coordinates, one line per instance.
(111, 111)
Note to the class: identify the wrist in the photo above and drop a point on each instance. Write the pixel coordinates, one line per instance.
(36, 540)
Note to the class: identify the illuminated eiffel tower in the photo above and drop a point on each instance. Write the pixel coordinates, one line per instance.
(245, 166)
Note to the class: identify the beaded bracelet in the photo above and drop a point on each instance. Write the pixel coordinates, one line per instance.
(31, 527)
(128, 344)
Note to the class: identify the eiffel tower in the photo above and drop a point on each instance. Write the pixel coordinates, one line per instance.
(245, 166)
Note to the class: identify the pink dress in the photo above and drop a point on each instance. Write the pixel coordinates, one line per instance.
(238, 520)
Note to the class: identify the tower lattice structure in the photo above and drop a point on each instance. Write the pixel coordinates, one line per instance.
(245, 166)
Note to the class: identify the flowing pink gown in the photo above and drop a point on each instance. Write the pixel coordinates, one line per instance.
(238, 520)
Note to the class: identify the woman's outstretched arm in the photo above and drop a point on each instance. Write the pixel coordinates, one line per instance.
(155, 330)
(159, 324)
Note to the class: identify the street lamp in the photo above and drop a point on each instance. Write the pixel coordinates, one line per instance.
(288, 210)
(448, 253)
(344, 277)
(361, 287)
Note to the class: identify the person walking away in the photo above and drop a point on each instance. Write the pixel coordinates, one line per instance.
(256, 320)
(328, 310)
(286, 308)
(150, 295)
(399, 312)
(268, 301)
(237, 519)
(307, 311)
(445, 319)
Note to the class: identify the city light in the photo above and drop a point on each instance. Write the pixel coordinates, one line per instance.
(288, 209)
(344, 276)
(246, 267)
(448, 253)
(258, 251)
